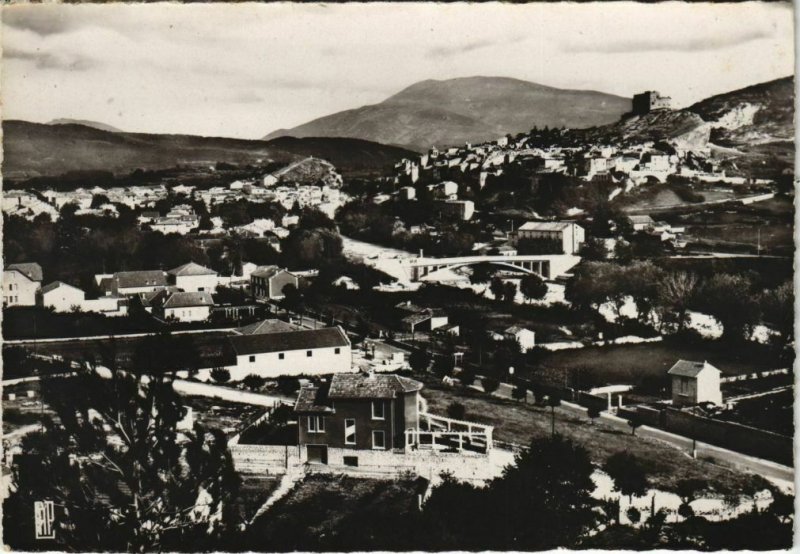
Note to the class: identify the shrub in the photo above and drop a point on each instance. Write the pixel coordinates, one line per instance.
(490, 384)
(220, 375)
(288, 385)
(456, 410)
(254, 382)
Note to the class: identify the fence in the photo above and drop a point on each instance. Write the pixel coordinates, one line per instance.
(725, 434)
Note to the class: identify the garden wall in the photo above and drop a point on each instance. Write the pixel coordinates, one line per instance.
(734, 436)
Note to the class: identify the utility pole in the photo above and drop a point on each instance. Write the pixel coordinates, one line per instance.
(759, 242)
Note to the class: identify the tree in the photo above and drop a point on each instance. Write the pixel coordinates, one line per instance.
(520, 392)
(490, 384)
(509, 292)
(481, 273)
(120, 473)
(467, 377)
(777, 305)
(419, 360)
(676, 293)
(220, 375)
(288, 386)
(543, 501)
(633, 423)
(497, 287)
(254, 382)
(627, 473)
(443, 365)
(593, 412)
(553, 401)
(456, 410)
(729, 298)
(533, 287)
(98, 200)
(634, 515)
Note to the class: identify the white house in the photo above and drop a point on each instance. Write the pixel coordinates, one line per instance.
(21, 284)
(301, 352)
(525, 337)
(187, 306)
(62, 297)
(192, 277)
(695, 383)
(569, 234)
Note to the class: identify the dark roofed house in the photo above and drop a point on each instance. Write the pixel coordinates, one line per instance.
(21, 284)
(357, 411)
(31, 270)
(291, 352)
(186, 306)
(268, 282)
(695, 383)
(135, 282)
(266, 326)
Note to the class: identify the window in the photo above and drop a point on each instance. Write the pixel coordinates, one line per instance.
(201, 289)
(316, 424)
(684, 385)
(349, 431)
(281, 356)
(337, 350)
(378, 440)
(351, 461)
(309, 353)
(377, 409)
(252, 359)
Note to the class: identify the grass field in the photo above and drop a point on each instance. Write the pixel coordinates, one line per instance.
(632, 363)
(518, 423)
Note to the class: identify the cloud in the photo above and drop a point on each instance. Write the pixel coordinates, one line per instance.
(43, 20)
(676, 43)
(43, 60)
(447, 50)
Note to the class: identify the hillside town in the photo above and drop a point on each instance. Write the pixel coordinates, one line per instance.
(565, 336)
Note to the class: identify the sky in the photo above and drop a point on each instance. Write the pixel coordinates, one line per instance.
(244, 70)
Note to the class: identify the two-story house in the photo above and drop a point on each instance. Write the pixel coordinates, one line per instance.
(21, 284)
(268, 282)
(356, 411)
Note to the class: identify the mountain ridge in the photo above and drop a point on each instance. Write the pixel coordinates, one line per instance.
(76, 147)
(464, 109)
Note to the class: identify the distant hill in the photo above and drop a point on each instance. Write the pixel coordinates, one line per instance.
(350, 156)
(743, 119)
(470, 109)
(35, 149)
(751, 116)
(85, 123)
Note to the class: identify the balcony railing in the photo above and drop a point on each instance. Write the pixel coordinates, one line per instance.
(444, 433)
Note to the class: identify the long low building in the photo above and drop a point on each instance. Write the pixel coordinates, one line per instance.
(301, 352)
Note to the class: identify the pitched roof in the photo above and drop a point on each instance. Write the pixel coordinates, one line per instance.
(269, 271)
(131, 279)
(304, 339)
(188, 300)
(641, 219)
(266, 326)
(515, 329)
(191, 269)
(31, 270)
(686, 368)
(360, 385)
(545, 225)
(56, 284)
(313, 399)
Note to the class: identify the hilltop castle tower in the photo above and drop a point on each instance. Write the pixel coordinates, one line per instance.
(649, 101)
